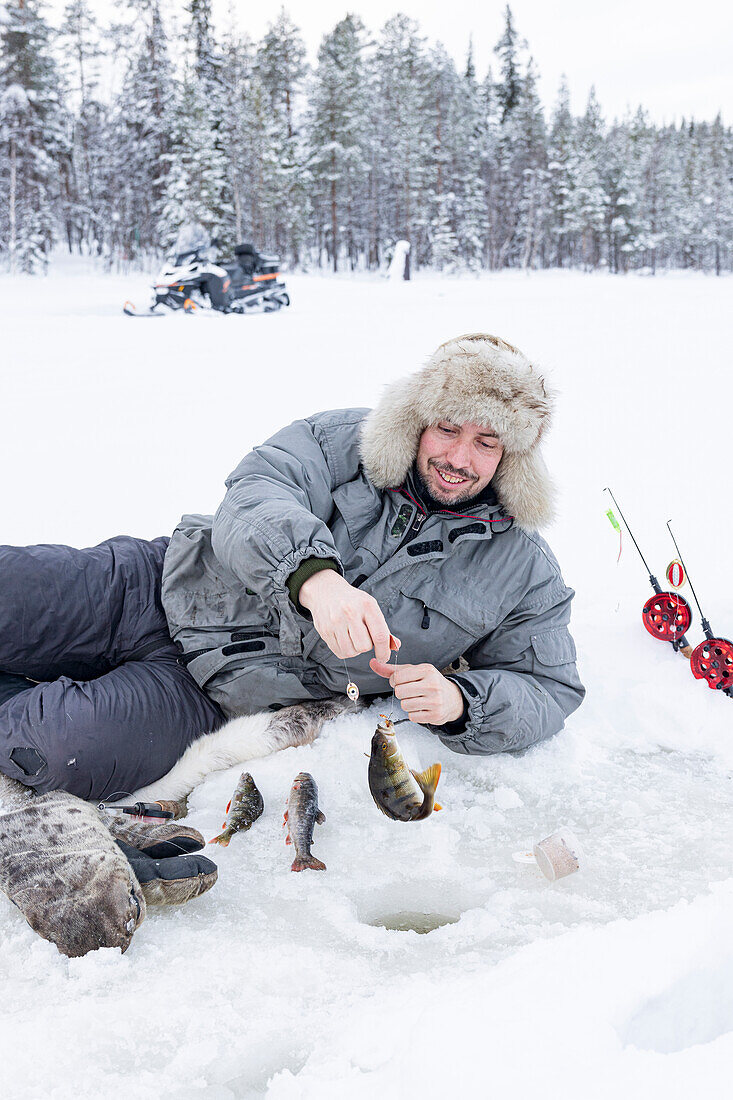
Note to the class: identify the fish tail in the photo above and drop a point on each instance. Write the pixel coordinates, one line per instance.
(222, 838)
(428, 780)
(302, 863)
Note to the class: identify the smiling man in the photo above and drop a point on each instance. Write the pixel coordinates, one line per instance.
(412, 526)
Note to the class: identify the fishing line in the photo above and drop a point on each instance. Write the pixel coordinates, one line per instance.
(394, 696)
(351, 688)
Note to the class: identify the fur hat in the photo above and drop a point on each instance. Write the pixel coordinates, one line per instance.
(475, 378)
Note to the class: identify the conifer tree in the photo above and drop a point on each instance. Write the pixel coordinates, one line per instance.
(140, 134)
(86, 213)
(560, 180)
(282, 70)
(404, 132)
(34, 135)
(587, 209)
(339, 101)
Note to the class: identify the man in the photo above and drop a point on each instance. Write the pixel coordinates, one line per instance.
(415, 520)
(352, 534)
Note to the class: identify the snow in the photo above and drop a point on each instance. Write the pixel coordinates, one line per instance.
(614, 981)
(14, 99)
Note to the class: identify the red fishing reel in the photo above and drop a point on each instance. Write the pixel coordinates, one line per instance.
(712, 660)
(667, 616)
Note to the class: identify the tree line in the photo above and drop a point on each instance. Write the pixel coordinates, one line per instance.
(384, 138)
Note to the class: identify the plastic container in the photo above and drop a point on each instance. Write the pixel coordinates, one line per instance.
(558, 855)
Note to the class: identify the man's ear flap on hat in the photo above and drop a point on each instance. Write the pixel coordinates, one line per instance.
(525, 489)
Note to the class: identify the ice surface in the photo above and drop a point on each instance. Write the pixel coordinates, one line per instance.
(615, 981)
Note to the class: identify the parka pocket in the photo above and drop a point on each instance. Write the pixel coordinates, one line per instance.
(554, 647)
(439, 623)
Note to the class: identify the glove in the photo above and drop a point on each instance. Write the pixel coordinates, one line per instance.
(162, 860)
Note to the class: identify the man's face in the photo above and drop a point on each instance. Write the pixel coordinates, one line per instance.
(457, 461)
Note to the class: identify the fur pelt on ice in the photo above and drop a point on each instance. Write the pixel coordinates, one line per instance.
(471, 379)
(242, 739)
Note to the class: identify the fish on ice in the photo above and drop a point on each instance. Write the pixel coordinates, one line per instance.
(301, 816)
(243, 809)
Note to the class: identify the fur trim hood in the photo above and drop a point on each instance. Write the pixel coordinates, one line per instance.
(475, 378)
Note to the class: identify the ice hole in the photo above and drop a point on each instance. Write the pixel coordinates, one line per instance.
(410, 921)
(418, 906)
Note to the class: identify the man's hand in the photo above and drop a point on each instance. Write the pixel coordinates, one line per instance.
(349, 621)
(426, 694)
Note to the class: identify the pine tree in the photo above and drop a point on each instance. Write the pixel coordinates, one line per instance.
(86, 213)
(281, 69)
(560, 179)
(207, 62)
(339, 101)
(404, 132)
(140, 137)
(587, 207)
(508, 49)
(196, 179)
(35, 138)
(471, 215)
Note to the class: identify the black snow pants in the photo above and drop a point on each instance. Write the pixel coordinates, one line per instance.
(93, 699)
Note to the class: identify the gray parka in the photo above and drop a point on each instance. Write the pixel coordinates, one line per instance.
(475, 585)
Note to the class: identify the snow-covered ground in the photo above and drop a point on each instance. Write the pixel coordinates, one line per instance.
(617, 981)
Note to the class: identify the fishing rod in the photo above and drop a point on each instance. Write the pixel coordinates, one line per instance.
(711, 660)
(666, 615)
(138, 809)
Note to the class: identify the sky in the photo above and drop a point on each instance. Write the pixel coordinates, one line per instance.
(671, 57)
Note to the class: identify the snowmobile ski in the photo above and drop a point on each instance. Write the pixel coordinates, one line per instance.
(131, 311)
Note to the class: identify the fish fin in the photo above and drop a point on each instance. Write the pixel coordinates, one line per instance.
(285, 817)
(427, 780)
(229, 806)
(222, 839)
(437, 806)
(288, 840)
(320, 817)
(301, 863)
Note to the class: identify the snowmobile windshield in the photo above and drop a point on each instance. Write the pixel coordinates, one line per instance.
(192, 238)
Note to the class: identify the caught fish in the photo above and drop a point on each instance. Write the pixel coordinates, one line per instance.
(243, 809)
(301, 815)
(400, 793)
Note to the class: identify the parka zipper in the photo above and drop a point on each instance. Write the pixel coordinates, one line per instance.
(413, 529)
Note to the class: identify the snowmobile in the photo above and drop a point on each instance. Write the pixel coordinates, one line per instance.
(255, 280)
(193, 281)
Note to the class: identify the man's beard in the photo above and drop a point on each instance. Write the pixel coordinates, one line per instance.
(460, 498)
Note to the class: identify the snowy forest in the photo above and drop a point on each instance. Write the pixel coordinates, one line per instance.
(384, 138)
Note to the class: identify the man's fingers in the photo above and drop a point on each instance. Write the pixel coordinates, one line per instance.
(379, 633)
(342, 647)
(360, 639)
(416, 689)
(403, 674)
